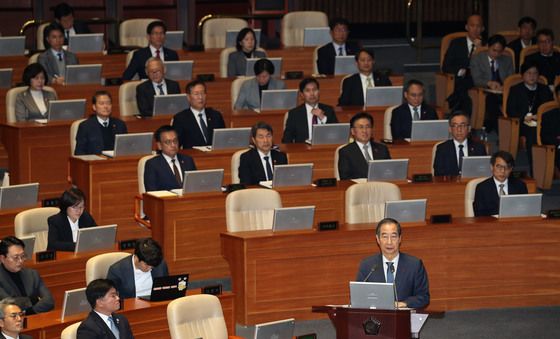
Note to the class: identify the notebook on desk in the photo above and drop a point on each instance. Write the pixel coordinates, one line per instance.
(231, 138)
(476, 167)
(179, 70)
(316, 36)
(86, 43)
(384, 96)
(12, 45)
(131, 144)
(66, 109)
(170, 104)
(330, 134)
(19, 196)
(6, 77)
(380, 296)
(250, 66)
(429, 130)
(96, 238)
(279, 99)
(293, 218)
(520, 205)
(168, 288)
(345, 65)
(281, 329)
(83, 74)
(389, 169)
(75, 302)
(413, 210)
(174, 40)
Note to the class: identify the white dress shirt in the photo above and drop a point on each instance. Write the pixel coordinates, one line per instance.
(465, 149)
(168, 160)
(505, 183)
(364, 79)
(105, 319)
(153, 50)
(163, 87)
(74, 226)
(368, 149)
(270, 162)
(142, 280)
(337, 48)
(195, 112)
(101, 121)
(395, 262)
(411, 110)
(39, 100)
(322, 121)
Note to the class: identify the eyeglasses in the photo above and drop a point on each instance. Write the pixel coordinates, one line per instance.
(17, 258)
(171, 142)
(502, 168)
(459, 126)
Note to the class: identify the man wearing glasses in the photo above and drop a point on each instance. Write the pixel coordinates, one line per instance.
(11, 320)
(23, 284)
(449, 154)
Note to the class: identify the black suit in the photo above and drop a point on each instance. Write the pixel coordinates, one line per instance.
(296, 125)
(456, 58)
(517, 47)
(401, 119)
(121, 274)
(351, 161)
(550, 131)
(93, 327)
(138, 63)
(145, 95)
(486, 198)
(446, 162)
(188, 130)
(326, 56)
(89, 139)
(352, 90)
(549, 67)
(60, 233)
(158, 175)
(251, 169)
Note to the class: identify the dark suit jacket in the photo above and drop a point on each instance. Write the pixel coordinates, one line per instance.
(401, 119)
(145, 95)
(189, 132)
(445, 162)
(549, 67)
(93, 327)
(411, 279)
(486, 198)
(20, 336)
(158, 176)
(60, 233)
(518, 100)
(89, 139)
(122, 274)
(296, 125)
(351, 161)
(352, 91)
(456, 57)
(251, 169)
(517, 47)
(138, 62)
(48, 61)
(38, 298)
(326, 56)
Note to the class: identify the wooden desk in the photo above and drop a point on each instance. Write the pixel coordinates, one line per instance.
(7, 221)
(282, 275)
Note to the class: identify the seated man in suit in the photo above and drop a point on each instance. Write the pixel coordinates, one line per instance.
(406, 272)
(550, 129)
(195, 125)
(134, 276)
(156, 84)
(165, 171)
(257, 164)
(23, 284)
(353, 158)
(102, 322)
(156, 39)
(546, 59)
(340, 46)
(11, 320)
(299, 125)
(55, 59)
(354, 87)
(449, 154)
(97, 133)
(64, 15)
(488, 192)
(413, 109)
(527, 26)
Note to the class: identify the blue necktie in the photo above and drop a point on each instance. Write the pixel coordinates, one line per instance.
(268, 168)
(390, 275)
(113, 327)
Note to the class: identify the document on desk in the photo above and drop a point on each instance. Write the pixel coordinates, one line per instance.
(203, 148)
(162, 194)
(89, 157)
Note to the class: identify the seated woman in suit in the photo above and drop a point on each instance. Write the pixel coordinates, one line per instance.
(63, 227)
(251, 91)
(33, 103)
(246, 45)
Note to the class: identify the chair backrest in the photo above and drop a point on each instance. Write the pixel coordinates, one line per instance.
(236, 86)
(387, 134)
(366, 202)
(41, 35)
(127, 98)
(129, 56)
(547, 106)
(34, 222)
(214, 31)
(70, 332)
(73, 133)
(251, 209)
(511, 81)
(33, 58)
(525, 52)
(140, 169)
(98, 266)
(196, 316)
(510, 35)
(469, 195)
(132, 32)
(294, 23)
(235, 165)
(445, 41)
(335, 167)
(434, 153)
(11, 101)
(342, 80)
(315, 57)
(224, 55)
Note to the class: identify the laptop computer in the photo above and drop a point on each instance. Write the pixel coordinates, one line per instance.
(231, 37)
(168, 288)
(231, 138)
(330, 134)
(279, 99)
(383, 170)
(67, 109)
(427, 130)
(292, 175)
(96, 238)
(174, 40)
(372, 295)
(520, 205)
(29, 242)
(384, 96)
(83, 74)
(281, 329)
(170, 104)
(131, 144)
(203, 181)
(476, 167)
(12, 45)
(86, 43)
(179, 70)
(250, 64)
(406, 210)
(316, 36)
(6, 77)
(75, 302)
(345, 65)
(293, 218)
(19, 196)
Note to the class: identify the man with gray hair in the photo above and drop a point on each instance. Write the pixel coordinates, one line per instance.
(11, 320)
(155, 85)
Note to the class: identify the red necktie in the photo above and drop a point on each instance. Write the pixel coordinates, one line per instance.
(157, 54)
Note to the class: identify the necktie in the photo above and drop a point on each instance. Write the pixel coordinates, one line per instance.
(176, 172)
(268, 168)
(340, 51)
(113, 327)
(502, 192)
(314, 119)
(416, 113)
(160, 87)
(59, 56)
(203, 127)
(493, 69)
(366, 153)
(105, 124)
(390, 274)
(67, 34)
(369, 83)
(473, 46)
(461, 155)
(157, 54)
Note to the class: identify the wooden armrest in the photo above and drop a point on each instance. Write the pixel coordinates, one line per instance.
(235, 337)
(543, 165)
(509, 134)
(138, 213)
(444, 87)
(478, 97)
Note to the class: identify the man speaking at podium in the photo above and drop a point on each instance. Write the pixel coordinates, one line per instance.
(391, 266)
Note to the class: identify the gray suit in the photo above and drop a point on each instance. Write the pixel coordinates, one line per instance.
(26, 108)
(48, 61)
(38, 297)
(237, 62)
(481, 72)
(248, 97)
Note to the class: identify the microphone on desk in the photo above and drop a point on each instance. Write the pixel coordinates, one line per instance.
(374, 267)
(395, 287)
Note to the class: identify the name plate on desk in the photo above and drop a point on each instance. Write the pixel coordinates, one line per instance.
(422, 177)
(127, 244)
(328, 225)
(440, 219)
(205, 77)
(553, 214)
(325, 182)
(45, 256)
(213, 289)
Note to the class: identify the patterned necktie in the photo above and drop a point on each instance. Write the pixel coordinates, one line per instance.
(461, 155)
(59, 56)
(502, 191)
(340, 51)
(113, 327)
(366, 153)
(160, 87)
(390, 274)
(203, 127)
(369, 82)
(157, 54)
(473, 47)
(268, 168)
(176, 172)
(105, 124)
(416, 113)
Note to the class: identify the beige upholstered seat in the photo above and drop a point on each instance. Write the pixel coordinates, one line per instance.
(342, 81)
(294, 23)
(127, 98)
(70, 332)
(11, 101)
(40, 35)
(132, 32)
(235, 165)
(33, 58)
(73, 133)
(34, 222)
(315, 57)
(235, 87)
(387, 134)
(366, 202)
(224, 55)
(251, 209)
(139, 204)
(469, 195)
(141, 167)
(445, 83)
(434, 149)
(336, 174)
(214, 31)
(98, 266)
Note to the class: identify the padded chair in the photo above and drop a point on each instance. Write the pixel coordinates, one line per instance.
(315, 57)
(98, 266)
(544, 167)
(336, 174)
(40, 30)
(34, 222)
(342, 80)
(129, 56)
(70, 332)
(235, 165)
(11, 101)
(127, 98)
(445, 83)
(366, 202)
(235, 87)
(510, 35)
(251, 209)
(469, 195)
(33, 58)
(73, 133)
(387, 134)
(214, 31)
(139, 206)
(294, 23)
(434, 153)
(132, 32)
(224, 56)
(525, 52)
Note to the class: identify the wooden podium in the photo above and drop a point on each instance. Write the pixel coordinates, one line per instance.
(353, 323)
